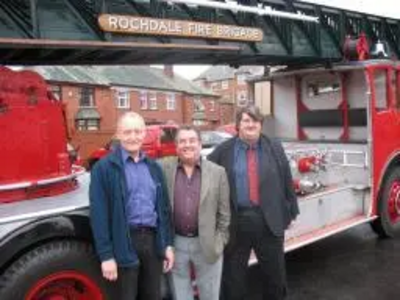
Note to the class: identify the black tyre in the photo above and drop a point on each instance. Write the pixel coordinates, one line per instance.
(388, 206)
(57, 270)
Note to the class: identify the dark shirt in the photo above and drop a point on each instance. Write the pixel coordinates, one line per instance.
(242, 172)
(141, 192)
(186, 201)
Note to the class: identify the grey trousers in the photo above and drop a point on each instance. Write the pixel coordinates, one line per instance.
(208, 276)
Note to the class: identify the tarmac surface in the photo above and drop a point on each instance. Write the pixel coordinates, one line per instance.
(354, 265)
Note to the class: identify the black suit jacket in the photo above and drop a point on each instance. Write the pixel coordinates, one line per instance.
(277, 196)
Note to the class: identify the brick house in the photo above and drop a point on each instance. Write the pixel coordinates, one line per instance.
(231, 84)
(95, 96)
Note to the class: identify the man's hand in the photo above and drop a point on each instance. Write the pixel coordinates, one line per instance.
(109, 269)
(169, 259)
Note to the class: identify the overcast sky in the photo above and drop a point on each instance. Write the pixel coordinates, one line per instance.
(388, 8)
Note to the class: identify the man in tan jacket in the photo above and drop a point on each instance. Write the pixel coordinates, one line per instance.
(199, 196)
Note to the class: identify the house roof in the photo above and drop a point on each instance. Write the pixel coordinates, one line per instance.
(129, 76)
(225, 72)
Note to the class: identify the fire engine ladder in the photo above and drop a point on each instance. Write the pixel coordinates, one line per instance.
(294, 32)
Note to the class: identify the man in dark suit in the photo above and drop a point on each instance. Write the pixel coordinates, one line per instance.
(263, 205)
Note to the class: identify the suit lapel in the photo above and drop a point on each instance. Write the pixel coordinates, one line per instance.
(205, 180)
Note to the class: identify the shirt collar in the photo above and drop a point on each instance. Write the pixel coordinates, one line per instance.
(126, 156)
(243, 145)
(198, 163)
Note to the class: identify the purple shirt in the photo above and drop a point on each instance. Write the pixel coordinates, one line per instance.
(186, 201)
(140, 206)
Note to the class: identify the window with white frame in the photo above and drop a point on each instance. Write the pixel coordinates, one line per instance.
(123, 98)
(171, 102)
(153, 100)
(242, 98)
(214, 86)
(88, 124)
(56, 91)
(200, 122)
(143, 99)
(212, 105)
(225, 84)
(87, 97)
(198, 104)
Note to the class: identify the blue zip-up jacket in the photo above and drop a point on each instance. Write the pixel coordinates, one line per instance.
(108, 197)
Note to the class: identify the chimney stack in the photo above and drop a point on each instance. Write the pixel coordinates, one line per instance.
(169, 71)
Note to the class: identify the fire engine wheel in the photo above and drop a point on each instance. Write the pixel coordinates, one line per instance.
(388, 206)
(63, 270)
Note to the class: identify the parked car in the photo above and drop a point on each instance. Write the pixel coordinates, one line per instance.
(159, 142)
(228, 128)
(211, 138)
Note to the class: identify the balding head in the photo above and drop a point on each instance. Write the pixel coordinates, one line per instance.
(131, 130)
(132, 118)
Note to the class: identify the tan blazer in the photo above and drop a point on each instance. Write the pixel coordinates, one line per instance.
(214, 207)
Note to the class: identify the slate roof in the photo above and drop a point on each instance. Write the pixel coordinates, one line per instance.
(129, 76)
(225, 72)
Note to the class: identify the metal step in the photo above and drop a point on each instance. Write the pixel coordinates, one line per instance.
(319, 234)
(326, 213)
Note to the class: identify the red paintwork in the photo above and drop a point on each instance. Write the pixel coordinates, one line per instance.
(394, 202)
(296, 186)
(359, 45)
(385, 131)
(99, 153)
(68, 285)
(306, 164)
(153, 145)
(33, 139)
(228, 128)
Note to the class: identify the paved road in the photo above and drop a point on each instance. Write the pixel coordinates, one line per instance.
(354, 265)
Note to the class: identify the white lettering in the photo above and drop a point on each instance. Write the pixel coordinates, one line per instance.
(123, 23)
(177, 27)
(113, 22)
(144, 25)
(134, 24)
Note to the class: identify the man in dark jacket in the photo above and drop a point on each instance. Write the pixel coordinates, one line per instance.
(263, 204)
(130, 215)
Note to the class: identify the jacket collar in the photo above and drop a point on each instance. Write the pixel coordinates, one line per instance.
(117, 157)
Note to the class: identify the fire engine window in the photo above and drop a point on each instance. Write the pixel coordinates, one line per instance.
(168, 135)
(319, 88)
(381, 93)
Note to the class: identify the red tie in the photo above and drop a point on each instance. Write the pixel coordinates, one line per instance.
(252, 174)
